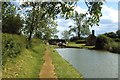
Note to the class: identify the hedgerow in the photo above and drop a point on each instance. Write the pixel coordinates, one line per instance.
(12, 45)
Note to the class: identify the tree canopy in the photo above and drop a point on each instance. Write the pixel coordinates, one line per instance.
(39, 17)
(11, 21)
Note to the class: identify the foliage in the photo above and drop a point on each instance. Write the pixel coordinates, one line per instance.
(81, 27)
(26, 65)
(103, 42)
(73, 39)
(42, 11)
(115, 47)
(12, 45)
(80, 41)
(56, 37)
(94, 10)
(118, 33)
(117, 39)
(39, 20)
(110, 34)
(8, 9)
(11, 22)
(66, 35)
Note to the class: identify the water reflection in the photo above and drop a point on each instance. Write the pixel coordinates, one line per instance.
(92, 63)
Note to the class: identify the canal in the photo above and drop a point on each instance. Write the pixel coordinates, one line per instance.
(92, 63)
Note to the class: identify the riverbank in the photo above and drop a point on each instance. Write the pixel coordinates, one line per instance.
(74, 45)
(25, 65)
(91, 63)
(29, 62)
(114, 49)
(63, 68)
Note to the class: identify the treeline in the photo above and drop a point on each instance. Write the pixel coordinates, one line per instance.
(109, 41)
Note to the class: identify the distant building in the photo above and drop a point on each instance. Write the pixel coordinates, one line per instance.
(91, 39)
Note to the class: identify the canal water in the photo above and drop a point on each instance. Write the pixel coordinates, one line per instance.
(92, 63)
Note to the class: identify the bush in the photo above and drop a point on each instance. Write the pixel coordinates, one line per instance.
(117, 39)
(115, 47)
(103, 42)
(80, 41)
(12, 45)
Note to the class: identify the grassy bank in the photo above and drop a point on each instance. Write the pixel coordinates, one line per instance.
(62, 68)
(25, 65)
(73, 44)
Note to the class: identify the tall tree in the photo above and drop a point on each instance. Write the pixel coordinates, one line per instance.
(66, 35)
(81, 27)
(11, 21)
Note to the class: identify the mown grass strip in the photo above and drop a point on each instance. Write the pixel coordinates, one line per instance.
(25, 65)
(62, 68)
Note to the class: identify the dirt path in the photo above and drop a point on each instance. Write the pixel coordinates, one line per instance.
(47, 70)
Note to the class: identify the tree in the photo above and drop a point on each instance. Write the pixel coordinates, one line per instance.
(66, 35)
(103, 42)
(118, 33)
(12, 21)
(42, 10)
(56, 37)
(37, 18)
(81, 27)
(110, 34)
(12, 24)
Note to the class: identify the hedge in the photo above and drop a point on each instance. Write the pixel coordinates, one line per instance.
(103, 42)
(12, 45)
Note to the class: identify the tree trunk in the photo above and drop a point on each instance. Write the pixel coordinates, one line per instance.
(32, 24)
(79, 32)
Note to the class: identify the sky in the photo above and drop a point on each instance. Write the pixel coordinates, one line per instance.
(108, 22)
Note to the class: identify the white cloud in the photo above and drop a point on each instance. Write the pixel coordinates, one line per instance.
(110, 14)
(63, 25)
(80, 10)
(109, 21)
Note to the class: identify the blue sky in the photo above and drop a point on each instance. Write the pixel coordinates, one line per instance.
(108, 22)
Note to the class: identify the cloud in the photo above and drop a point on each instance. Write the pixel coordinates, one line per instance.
(108, 22)
(105, 21)
(109, 14)
(103, 28)
(65, 23)
(80, 10)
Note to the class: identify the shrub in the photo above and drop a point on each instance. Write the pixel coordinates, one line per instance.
(115, 47)
(12, 45)
(80, 41)
(117, 39)
(103, 42)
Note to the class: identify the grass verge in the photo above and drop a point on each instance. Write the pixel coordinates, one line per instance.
(62, 68)
(25, 65)
(73, 44)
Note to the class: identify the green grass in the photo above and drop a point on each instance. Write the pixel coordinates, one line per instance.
(25, 65)
(73, 44)
(64, 69)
